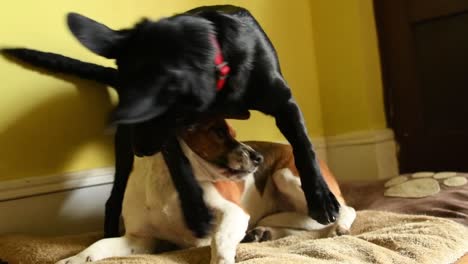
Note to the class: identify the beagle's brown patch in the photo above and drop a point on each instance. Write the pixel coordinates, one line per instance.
(231, 190)
(210, 139)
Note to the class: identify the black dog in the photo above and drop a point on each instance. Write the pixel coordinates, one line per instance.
(167, 75)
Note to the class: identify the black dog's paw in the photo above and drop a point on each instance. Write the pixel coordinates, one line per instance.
(258, 234)
(199, 219)
(324, 208)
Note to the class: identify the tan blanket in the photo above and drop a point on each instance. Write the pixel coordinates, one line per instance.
(376, 237)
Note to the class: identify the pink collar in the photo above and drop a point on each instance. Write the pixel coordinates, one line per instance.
(222, 67)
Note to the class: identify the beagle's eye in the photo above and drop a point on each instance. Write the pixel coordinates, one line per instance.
(219, 132)
(192, 128)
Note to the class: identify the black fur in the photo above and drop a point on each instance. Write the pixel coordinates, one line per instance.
(166, 78)
(61, 64)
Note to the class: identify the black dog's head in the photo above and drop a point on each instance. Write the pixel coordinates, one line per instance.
(163, 66)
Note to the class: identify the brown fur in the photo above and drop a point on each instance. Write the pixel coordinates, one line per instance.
(231, 190)
(279, 156)
(203, 140)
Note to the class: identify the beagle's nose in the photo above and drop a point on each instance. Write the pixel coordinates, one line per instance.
(256, 157)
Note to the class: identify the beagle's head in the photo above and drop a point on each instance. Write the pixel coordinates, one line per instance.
(218, 152)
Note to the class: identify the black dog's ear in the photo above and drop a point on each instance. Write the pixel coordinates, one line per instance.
(137, 112)
(240, 115)
(95, 36)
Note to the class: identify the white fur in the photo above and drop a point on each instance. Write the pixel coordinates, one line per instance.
(112, 247)
(256, 204)
(290, 186)
(231, 224)
(151, 211)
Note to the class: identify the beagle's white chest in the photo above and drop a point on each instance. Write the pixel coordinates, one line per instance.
(151, 204)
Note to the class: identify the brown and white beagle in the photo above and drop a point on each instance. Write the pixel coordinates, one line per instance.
(250, 186)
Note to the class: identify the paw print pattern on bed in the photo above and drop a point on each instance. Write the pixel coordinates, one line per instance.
(422, 184)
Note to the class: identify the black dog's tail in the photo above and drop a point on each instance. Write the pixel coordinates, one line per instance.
(57, 63)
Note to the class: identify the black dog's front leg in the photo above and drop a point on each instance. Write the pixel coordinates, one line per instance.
(321, 203)
(196, 214)
(123, 167)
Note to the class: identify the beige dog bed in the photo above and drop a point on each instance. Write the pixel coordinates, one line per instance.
(376, 237)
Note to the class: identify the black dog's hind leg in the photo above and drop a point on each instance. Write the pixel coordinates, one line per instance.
(123, 167)
(196, 214)
(321, 202)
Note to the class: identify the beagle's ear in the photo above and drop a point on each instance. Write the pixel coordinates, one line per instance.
(193, 127)
(95, 36)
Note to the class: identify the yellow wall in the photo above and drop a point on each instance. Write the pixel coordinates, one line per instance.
(49, 126)
(327, 48)
(348, 65)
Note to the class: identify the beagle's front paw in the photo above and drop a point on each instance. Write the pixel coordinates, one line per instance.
(338, 230)
(221, 260)
(77, 259)
(258, 234)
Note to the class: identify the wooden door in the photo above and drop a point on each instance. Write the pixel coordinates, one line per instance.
(424, 53)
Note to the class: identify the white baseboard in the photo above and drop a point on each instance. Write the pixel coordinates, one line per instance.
(365, 155)
(22, 188)
(62, 204)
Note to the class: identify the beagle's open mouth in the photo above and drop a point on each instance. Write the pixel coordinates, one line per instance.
(234, 171)
(228, 171)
